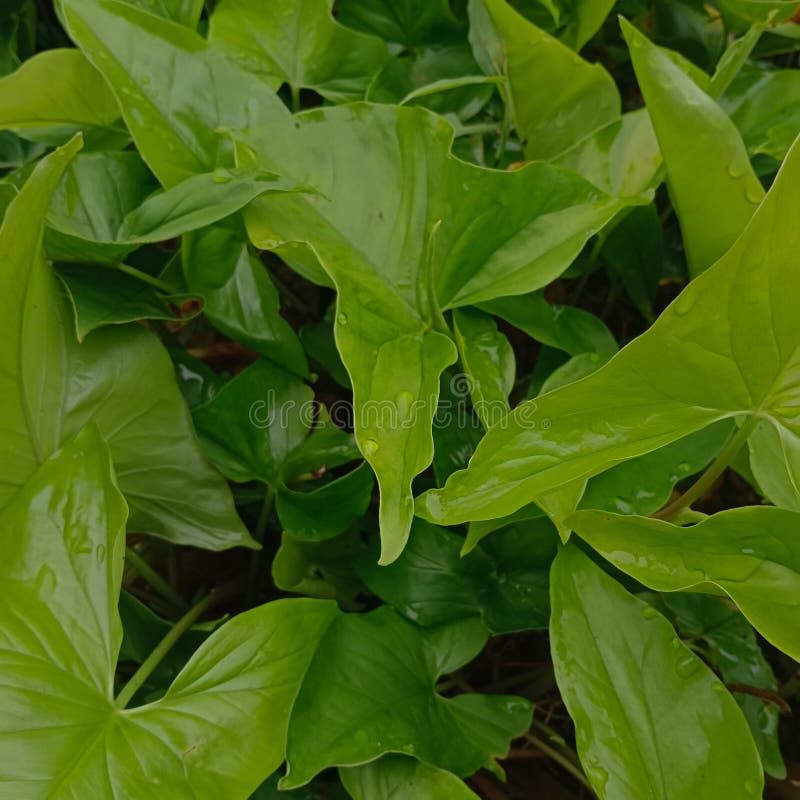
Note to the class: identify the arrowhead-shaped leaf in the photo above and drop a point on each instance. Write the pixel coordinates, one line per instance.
(405, 233)
(728, 346)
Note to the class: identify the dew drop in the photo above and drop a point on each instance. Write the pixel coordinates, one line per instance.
(408, 500)
(45, 583)
(221, 176)
(404, 401)
(684, 467)
(753, 194)
(675, 643)
(751, 786)
(719, 688)
(100, 553)
(684, 303)
(736, 169)
(370, 447)
(648, 612)
(687, 666)
(341, 318)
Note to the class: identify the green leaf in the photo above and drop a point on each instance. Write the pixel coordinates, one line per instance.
(56, 89)
(714, 172)
(185, 12)
(488, 361)
(582, 18)
(730, 646)
(728, 346)
(220, 728)
(457, 734)
(407, 22)
(176, 93)
(319, 344)
(641, 701)
(752, 554)
(504, 580)
(568, 328)
(120, 378)
(298, 43)
(396, 777)
(262, 425)
(556, 97)
(769, 462)
(240, 299)
(765, 107)
(408, 249)
(105, 296)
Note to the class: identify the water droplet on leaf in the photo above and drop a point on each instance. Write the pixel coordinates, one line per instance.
(648, 612)
(687, 666)
(370, 447)
(341, 318)
(221, 176)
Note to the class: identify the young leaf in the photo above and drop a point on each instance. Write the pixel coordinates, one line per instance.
(396, 777)
(417, 241)
(714, 172)
(240, 299)
(752, 554)
(176, 93)
(488, 361)
(504, 580)
(120, 378)
(727, 346)
(642, 702)
(56, 89)
(556, 97)
(298, 43)
(458, 734)
(220, 728)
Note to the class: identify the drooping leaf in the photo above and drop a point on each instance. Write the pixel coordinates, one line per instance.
(219, 730)
(504, 580)
(751, 553)
(240, 299)
(396, 777)
(457, 734)
(488, 360)
(176, 93)
(727, 346)
(642, 701)
(706, 161)
(396, 269)
(730, 646)
(56, 89)
(299, 44)
(556, 97)
(120, 378)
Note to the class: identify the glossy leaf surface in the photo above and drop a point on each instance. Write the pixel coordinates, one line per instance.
(640, 699)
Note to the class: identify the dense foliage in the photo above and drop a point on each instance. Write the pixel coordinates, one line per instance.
(399, 399)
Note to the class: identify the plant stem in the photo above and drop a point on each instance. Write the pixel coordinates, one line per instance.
(145, 278)
(164, 646)
(709, 477)
(258, 534)
(295, 98)
(560, 759)
(146, 572)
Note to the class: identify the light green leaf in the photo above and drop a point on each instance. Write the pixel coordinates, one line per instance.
(765, 106)
(582, 18)
(240, 299)
(219, 730)
(56, 89)
(642, 701)
(402, 244)
(184, 12)
(396, 777)
(458, 734)
(728, 346)
(102, 296)
(752, 554)
(730, 645)
(568, 328)
(298, 43)
(488, 361)
(769, 462)
(176, 93)
(556, 97)
(504, 580)
(120, 378)
(706, 161)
